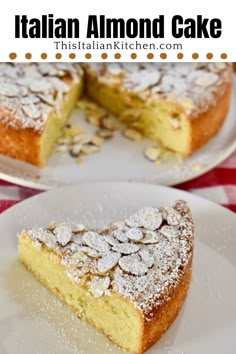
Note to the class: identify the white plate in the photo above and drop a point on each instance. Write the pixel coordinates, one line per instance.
(122, 160)
(32, 320)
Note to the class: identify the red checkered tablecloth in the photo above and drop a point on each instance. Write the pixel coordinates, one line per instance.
(218, 185)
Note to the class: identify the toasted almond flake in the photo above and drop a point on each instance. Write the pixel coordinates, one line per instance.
(78, 228)
(217, 67)
(151, 218)
(150, 237)
(93, 120)
(94, 240)
(132, 134)
(61, 148)
(131, 265)
(97, 140)
(89, 149)
(169, 231)
(120, 236)
(111, 240)
(105, 133)
(152, 153)
(126, 248)
(134, 234)
(147, 258)
(109, 122)
(82, 139)
(173, 217)
(47, 99)
(91, 252)
(98, 286)
(63, 234)
(31, 111)
(75, 150)
(108, 262)
(9, 90)
(40, 86)
(207, 79)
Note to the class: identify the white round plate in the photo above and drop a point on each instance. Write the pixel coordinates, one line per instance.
(122, 160)
(32, 320)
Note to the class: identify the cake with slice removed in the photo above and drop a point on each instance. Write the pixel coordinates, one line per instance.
(129, 280)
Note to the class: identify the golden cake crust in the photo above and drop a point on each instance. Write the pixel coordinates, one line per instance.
(147, 268)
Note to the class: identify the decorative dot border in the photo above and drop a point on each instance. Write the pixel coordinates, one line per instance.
(117, 56)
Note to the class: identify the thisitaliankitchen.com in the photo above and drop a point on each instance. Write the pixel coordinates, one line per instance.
(100, 26)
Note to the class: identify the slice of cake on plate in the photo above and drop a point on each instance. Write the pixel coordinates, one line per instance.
(35, 103)
(128, 280)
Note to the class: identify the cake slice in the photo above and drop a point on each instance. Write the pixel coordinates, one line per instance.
(35, 103)
(180, 105)
(128, 280)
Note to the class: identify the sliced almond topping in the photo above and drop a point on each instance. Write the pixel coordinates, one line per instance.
(151, 218)
(93, 120)
(63, 234)
(131, 265)
(111, 240)
(152, 153)
(132, 134)
(150, 237)
(108, 262)
(120, 235)
(207, 79)
(134, 234)
(173, 217)
(97, 140)
(31, 111)
(94, 240)
(126, 248)
(40, 86)
(91, 252)
(147, 258)
(78, 228)
(82, 139)
(217, 67)
(109, 122)
(75, 150)
(169, 231)
(89, 149)
(98, 286)
(105, 133)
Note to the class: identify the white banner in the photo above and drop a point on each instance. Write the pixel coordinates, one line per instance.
(117, 31)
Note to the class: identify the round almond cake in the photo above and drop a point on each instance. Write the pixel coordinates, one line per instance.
(178, 105)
